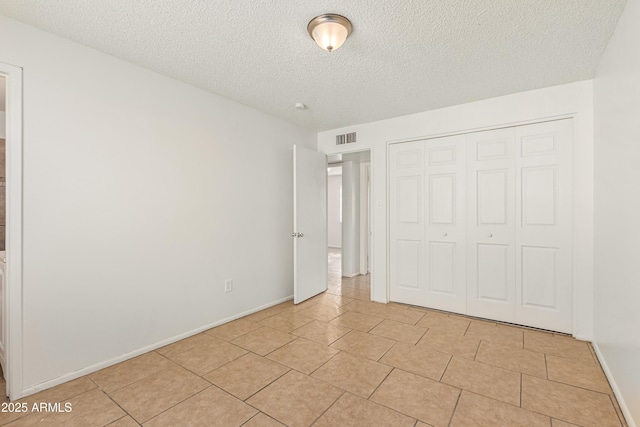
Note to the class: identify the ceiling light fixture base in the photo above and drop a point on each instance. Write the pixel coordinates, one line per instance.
(329, 30)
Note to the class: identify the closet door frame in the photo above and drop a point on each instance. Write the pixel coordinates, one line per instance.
(578, 131)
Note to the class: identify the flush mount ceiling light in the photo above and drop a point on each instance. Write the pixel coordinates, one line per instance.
(329, 30)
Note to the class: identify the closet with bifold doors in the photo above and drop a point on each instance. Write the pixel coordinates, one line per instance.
(481, 224)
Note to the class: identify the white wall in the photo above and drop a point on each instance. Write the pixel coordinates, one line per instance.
(140, 198)
(574, 100)
(350, 218)
(334, 226)
(617, 209)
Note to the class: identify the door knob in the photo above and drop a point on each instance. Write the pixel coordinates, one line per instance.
(300, 235)
(490, 235)
(444, 234)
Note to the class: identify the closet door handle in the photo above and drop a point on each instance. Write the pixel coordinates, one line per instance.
(490, 235)
(444, 234)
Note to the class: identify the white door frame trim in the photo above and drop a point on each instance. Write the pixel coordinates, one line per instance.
(13, 276)
(372, 276)
(365, 206)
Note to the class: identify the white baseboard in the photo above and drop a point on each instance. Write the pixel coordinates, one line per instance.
(335, 247)
(614, 386)
(96, 367)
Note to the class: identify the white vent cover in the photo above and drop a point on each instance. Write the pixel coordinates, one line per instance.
(346, 138)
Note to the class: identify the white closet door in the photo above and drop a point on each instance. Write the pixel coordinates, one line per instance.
(491, 224)
(445, 235)
(406, 217)
(544, 213)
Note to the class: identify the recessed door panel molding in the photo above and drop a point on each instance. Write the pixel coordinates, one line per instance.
(480, 224)
(539, 277)
(493, 196)
(493, 272)
(408, 262)
(442, 271)
(539, 195)
(442, 198)
(409, 159)
(539, 144)
(439, 156)
(493, 148)
(409, 195)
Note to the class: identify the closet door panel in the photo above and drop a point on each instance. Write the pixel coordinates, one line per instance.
(406, 223)
(543, 228)
(491, 224)
(445, 231)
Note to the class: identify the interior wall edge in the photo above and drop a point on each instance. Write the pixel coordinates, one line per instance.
(614, 385)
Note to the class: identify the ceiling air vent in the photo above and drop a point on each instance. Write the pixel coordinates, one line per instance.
(347, 138)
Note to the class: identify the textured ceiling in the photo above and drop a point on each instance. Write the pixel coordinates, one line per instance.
(404, 56)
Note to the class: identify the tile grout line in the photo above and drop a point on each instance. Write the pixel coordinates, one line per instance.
(467, 329)
(255, 415)
(328, 407)
(259, 412)
(178, 403)
(455, 407)
(477, 349)
(387, 351)
(235, 337)
(265, 386)
(143, 378)
(368, 399)
(119, 406)
(186, 369)
(546, 366)
(126, 414)
(378, 386)
(329, 360)
(445, 369)
(520, 390)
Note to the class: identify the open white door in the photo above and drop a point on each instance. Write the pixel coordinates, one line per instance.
(309, 223)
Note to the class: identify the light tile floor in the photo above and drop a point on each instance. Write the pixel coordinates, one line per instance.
(341, 360)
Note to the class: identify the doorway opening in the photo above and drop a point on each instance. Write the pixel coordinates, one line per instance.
(348, 224)
(11, 223)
